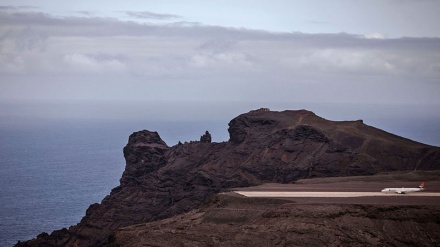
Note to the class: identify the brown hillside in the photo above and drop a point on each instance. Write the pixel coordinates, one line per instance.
(236, 221)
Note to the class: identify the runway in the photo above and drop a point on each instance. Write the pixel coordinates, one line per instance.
(289, 194)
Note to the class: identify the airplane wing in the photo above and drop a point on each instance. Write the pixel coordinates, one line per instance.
(400, 192)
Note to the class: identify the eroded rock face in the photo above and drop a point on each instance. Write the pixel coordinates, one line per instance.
(145, 154)
(264, 146)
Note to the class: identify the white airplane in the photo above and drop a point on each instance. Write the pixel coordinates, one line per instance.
(404, 190)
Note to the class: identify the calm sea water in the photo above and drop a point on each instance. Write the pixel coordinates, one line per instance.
(52, 170)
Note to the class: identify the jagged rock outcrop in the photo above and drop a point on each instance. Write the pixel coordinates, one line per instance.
(264, 146)
(206, 138)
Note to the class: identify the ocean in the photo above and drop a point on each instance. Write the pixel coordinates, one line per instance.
(52, 169)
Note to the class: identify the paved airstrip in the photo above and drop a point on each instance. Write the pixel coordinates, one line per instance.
(347, 192)
(285, 194)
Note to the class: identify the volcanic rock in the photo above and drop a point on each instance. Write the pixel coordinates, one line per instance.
(206, 138)
(264, 146)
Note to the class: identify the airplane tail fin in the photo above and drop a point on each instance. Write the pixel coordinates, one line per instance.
(422, 185)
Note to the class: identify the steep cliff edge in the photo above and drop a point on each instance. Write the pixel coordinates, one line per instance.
(264, 146)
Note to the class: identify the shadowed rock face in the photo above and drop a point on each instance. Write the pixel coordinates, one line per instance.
(264, 146)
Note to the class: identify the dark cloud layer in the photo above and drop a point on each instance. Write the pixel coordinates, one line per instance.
(16, 8)
(151, 15)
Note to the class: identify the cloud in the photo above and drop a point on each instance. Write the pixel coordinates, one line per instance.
(217, 45)
(86, 13)
(182, 61)
(151, 15)
(17, 8)
(24, 34)
(375, 36)
(316, 22)
(92, 63)
(226, 59)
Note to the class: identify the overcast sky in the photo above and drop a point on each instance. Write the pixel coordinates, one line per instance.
(341, 51)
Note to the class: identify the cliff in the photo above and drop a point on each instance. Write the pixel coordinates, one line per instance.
(264, 146)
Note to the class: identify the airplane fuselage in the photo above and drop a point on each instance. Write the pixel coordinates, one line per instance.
(401, 190)
(404, 190)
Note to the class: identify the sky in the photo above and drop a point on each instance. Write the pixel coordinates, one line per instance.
(345, 52)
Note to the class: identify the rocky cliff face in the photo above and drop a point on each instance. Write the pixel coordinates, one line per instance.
(264, 146)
